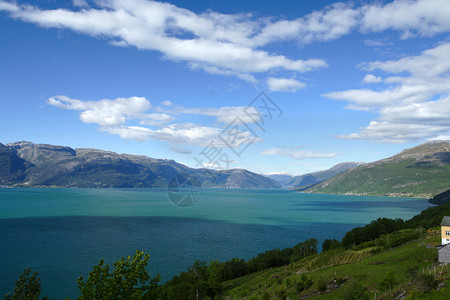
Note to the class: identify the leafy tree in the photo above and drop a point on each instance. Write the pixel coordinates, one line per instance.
(27, 287)
(302, 250)
(129, 280)
(330, 244)
(372, 231)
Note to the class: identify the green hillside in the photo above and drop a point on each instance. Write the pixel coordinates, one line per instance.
(354, 274)
(422, 171)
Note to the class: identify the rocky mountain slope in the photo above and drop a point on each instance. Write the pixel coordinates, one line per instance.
(29, 164)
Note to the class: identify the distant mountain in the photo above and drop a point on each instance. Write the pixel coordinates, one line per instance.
(422, 171)
(29, 164)
(307, 180)
(283, 179)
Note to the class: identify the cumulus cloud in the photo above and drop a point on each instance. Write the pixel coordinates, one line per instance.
(104, 112)
(174, 134)
(114, 116)
(412, 18)
(414, 105)
(181, 134)
(284, 84)
(296, 153)
(370, 78)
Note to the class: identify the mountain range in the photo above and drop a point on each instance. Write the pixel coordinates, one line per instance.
(421, 171)
(25, 164)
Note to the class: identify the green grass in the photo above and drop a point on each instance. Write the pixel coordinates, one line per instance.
(403, 177)
(361, 267)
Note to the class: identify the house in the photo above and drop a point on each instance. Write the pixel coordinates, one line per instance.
(445, 230)
(444, 249)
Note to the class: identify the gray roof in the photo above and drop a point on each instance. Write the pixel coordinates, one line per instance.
(445, 221)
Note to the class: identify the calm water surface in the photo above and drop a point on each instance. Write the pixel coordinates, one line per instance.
(62, 233)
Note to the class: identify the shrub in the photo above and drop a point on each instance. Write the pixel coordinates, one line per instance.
(427, 282)
(322, 285)
(388, 281)
(303, 284)
(354, 291)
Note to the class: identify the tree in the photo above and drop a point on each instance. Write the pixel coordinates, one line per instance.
(129, 280)
(330, 244)
(27, 287)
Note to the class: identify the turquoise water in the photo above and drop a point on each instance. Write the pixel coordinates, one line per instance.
(265, 207)
(62, 233)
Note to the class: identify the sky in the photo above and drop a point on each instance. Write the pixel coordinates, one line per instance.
(269, 86)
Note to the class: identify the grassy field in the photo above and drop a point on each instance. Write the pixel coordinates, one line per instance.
(355, 274)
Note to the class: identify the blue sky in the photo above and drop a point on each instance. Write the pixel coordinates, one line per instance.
(346, 81)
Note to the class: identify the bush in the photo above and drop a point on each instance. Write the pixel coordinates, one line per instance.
(303, 284)
(389, 281)
(322, 285)
(412, 270)
(288, 282)
(354, 291)
(427, 282)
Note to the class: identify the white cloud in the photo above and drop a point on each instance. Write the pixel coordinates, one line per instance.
(284, 84)
(80, 3)
(217, 43)
(226, 114)
(104, 112)
(166, 103)
(414, 105)
(421, 17)
(113, 117)
(435, 113)
(179, 134)
(232, 44)
(296, 153)
(370, 78)
(156, 119)
(387, 132)
(184, 134)
(331, 23)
